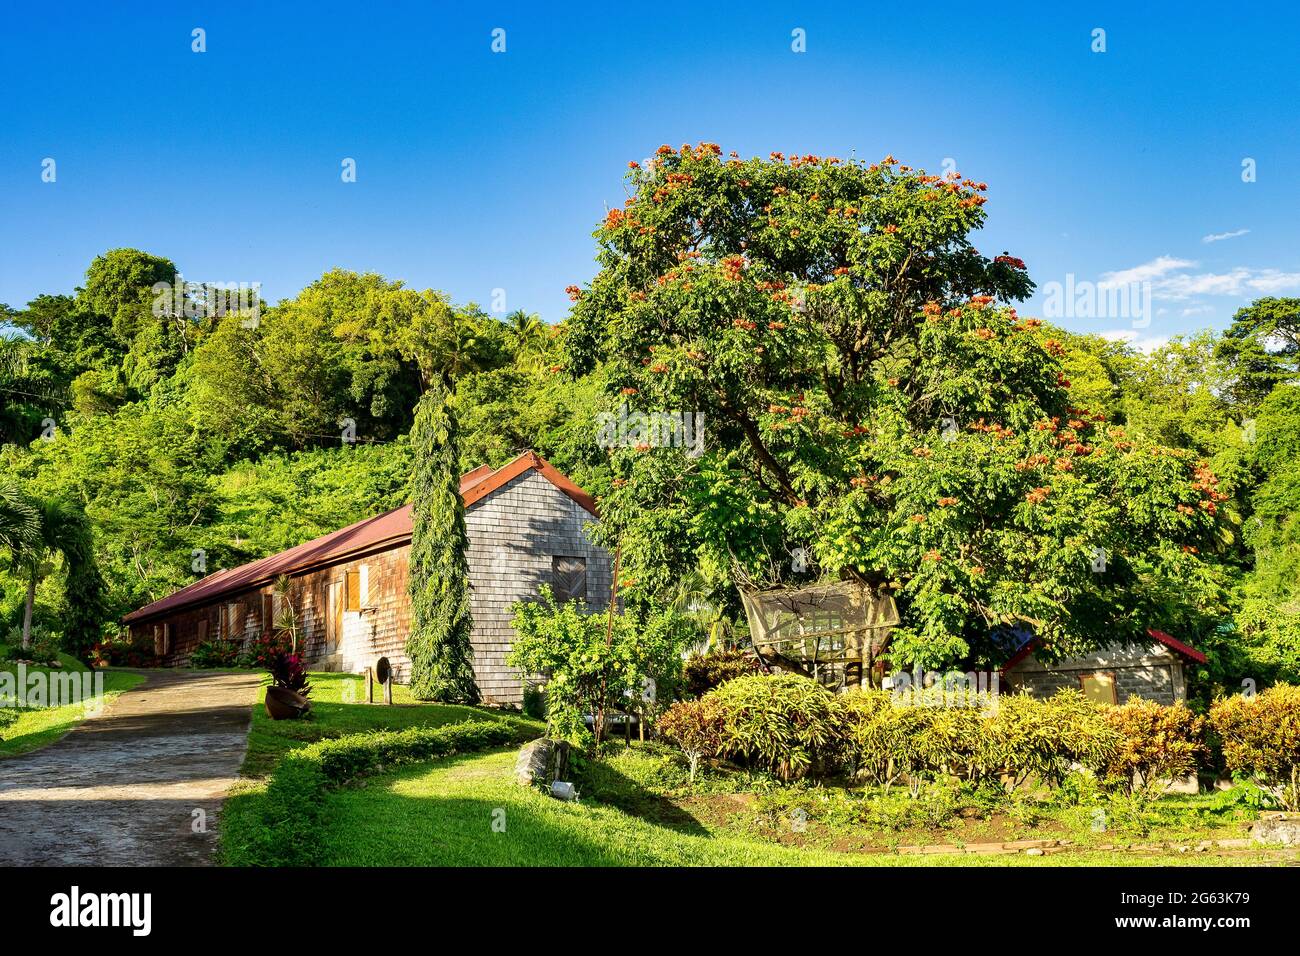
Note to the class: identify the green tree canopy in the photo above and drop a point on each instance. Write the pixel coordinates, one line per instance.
(866, 400)
(1261, 348)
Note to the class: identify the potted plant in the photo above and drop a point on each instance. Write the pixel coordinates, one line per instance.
(286, 698)
(287, 695)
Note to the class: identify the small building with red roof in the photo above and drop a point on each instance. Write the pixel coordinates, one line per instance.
(527, 526)
(1154, 671)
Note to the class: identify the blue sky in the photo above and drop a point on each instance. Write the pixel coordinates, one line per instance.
(478, 171)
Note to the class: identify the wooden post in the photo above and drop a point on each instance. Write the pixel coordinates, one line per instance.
(388, 689)
(370, 685)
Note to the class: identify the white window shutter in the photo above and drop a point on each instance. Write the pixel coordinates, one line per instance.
(365, 585)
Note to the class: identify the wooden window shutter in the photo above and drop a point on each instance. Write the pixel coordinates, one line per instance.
(569, 578)
(352, 596)
(158, 640)
(203, 630)
(167, 638)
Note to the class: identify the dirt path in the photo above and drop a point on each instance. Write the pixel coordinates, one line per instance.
(122, 788)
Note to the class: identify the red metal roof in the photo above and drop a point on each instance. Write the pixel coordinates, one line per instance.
(379, 533)
(1175, 644)
(1171, 642)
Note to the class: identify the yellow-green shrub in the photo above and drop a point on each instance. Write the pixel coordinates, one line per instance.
(1261, 737)
(879, 737)
(1155, 743)
(1045, 738)
(785, 723)
(1022, 737)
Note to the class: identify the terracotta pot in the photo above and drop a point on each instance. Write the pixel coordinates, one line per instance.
(284, 704)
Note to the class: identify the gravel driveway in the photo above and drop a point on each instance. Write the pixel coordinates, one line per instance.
(121, 789)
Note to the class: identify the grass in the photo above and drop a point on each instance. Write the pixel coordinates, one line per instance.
(468, 811)
(638, 809)
(23, 730)
(339, 708)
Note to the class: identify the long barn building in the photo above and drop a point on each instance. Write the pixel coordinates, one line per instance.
(527, 526)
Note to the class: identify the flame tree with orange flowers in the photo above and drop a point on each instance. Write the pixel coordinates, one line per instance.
(872, 401)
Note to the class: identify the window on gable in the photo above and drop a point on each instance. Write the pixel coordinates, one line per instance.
(569, 578)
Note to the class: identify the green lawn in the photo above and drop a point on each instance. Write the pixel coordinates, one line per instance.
(468, 811)
(444, 815)
(636, 810)
(338, 708)
(26, 729)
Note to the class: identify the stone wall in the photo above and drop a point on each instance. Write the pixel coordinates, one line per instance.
(1153, 672)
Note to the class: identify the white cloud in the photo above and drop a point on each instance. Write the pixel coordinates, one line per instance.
(1220, 236)
(1170, 279)
(1147, 272)
(1270, 280)
(1240, 281)
(1146, 343)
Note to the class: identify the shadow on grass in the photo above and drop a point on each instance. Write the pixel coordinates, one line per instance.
(374, 825)
(599, 781)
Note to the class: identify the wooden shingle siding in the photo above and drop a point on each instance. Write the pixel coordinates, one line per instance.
(515, 534)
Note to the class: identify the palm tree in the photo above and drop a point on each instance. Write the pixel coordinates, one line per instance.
(461, 344)
(18, 520)
(692, 597)
(287, 619)
(60, 529)
(527, 334)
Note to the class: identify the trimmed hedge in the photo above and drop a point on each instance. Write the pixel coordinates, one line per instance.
(289, 834)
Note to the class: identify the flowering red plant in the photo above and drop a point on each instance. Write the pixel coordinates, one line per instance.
(263, 649)
(287, 671)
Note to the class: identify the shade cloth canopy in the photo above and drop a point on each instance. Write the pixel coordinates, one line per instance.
(831, 631)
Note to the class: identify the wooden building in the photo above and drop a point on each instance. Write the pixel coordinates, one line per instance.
(527, 526)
